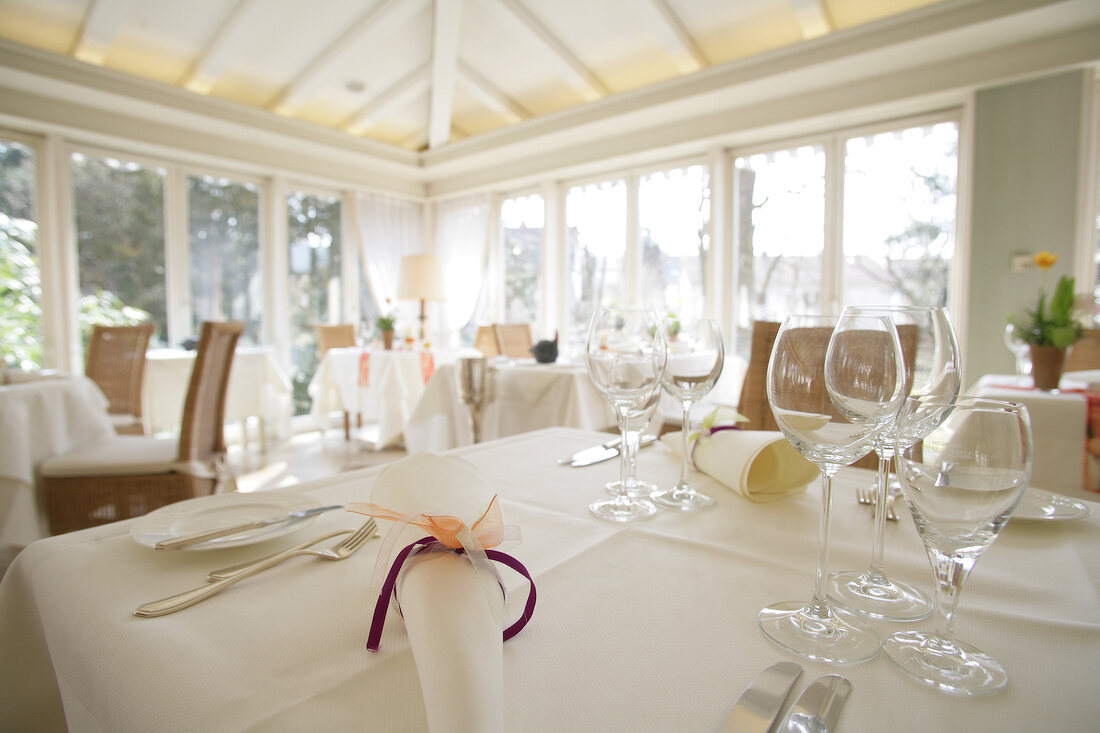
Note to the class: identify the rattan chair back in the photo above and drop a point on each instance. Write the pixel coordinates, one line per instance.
(486, 341)
(1085, 354)
(116, 363)
(337, 336)
(514, 339)
(753, 403)
(202, 430)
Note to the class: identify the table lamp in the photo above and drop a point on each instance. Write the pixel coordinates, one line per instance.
(421, 279)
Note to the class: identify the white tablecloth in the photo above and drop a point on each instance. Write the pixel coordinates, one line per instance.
(526, 396)
(1059, 421)
(40, 418)
(646, 627)
(395, 382)
(257, 388)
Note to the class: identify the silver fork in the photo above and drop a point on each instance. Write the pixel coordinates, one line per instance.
(866, 495)
(340, 551)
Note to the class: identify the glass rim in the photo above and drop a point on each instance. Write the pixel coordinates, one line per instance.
(965, 400)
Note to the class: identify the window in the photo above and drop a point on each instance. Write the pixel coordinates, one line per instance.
(225, 253)
(20, 284)
(119, 212)
(315, 259)
(521, 225)
(596, 246)
(674, 211)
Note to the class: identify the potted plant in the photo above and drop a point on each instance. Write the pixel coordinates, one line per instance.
(385, 324)
(1050, 328)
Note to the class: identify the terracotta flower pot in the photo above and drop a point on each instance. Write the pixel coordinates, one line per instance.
(1047, 363)
(387, 339)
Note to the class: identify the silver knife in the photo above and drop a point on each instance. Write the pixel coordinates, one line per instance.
(178, 543)
(760, 704)
(600, 453)
(818, 707)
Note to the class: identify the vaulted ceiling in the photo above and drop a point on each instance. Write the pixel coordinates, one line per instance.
(418, 74)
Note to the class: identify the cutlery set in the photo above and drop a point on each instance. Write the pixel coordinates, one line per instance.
(600, 453)
(816, 709)
(219, 580)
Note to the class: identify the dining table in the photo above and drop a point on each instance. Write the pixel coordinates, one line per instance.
(42, 413)
(525, 396)
(646, 626)
(258, 388)
(380, 386)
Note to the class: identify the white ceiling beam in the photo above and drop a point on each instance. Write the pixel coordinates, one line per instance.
(679, 41)
(590, 86)
(216, 55)
(377, 20)
(405, 89)
(812, 18)
(101, 23)
(490, 96)
(446, 22)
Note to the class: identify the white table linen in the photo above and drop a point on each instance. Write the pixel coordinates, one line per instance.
(526, 396)
(395, 382)
(644, 627)
(258, 387)
(1059, 421)
(39, 418)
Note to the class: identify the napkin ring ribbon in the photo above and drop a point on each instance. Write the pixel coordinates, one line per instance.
(431, 544)
(706, 433)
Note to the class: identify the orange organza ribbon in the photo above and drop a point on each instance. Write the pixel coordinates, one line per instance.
(427, 365)
(489, 529)
(364, 369)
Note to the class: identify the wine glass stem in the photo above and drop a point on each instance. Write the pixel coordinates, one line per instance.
(823, 538)
(878, 539)
(631, 441)
(685, 444)
(950, 572)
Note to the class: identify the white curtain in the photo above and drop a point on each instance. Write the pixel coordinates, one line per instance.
(387, 228)
(462, 240)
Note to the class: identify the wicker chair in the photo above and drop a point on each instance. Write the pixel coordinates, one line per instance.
(1085, 354)
(128, 475)
(338, 336)
(514, 339)
(486, 341)
(116, 362)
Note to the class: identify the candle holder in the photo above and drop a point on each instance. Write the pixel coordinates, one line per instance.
(475, 389)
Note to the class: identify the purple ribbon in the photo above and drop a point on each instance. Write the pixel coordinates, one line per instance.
(431, 544)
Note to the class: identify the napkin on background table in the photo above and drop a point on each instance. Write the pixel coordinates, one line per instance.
(760, 465)
(453, 614)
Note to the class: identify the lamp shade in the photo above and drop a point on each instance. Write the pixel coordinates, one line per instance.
(421, 278)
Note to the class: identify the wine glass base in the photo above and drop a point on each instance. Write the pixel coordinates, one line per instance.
(948, 666)
(634, 488)
(618, 510)
(815, 631)
(682, 498)
(878, 596)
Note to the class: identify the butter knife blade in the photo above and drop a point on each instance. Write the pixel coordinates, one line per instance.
(178, 543)
(818, 707)
(601, 453)
(759, 706)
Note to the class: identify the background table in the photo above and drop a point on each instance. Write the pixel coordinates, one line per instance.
(257, 388)
(41, 417)
(395, 381)
(527, 396)
(644, 627)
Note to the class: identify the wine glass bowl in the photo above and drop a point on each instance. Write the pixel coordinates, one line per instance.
(834, 384)
(625, 357)
(931, 356)
(693, 366)
(961, 484)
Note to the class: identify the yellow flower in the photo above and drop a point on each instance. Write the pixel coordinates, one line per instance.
(1045, 260)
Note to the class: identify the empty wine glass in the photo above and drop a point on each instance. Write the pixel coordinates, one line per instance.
(961, 483)
(694, 364)
(930, 351)
(833, 385)
(625, 355)
(635, 427)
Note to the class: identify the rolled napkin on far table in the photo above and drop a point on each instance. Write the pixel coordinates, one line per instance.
(446, 585)
(760, 465)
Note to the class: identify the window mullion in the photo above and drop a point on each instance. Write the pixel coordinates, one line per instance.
(832, 276)
(177, 257)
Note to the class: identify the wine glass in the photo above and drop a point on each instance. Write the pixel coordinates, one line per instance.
(833, 385)
(635, 426)
(694, 364)
(961, 484)
(625, 355)
(930, 351)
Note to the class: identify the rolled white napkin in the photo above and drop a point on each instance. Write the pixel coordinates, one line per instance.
(453, 614)
(760, 465)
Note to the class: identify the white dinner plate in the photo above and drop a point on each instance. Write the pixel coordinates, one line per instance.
(1037, 505)
(205, 513)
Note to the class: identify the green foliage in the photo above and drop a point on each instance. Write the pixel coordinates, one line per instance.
(385, 322)
(20, 295)
(1053, 323)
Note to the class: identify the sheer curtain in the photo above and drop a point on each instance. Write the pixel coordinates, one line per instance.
(387, 228)
(462, 240)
